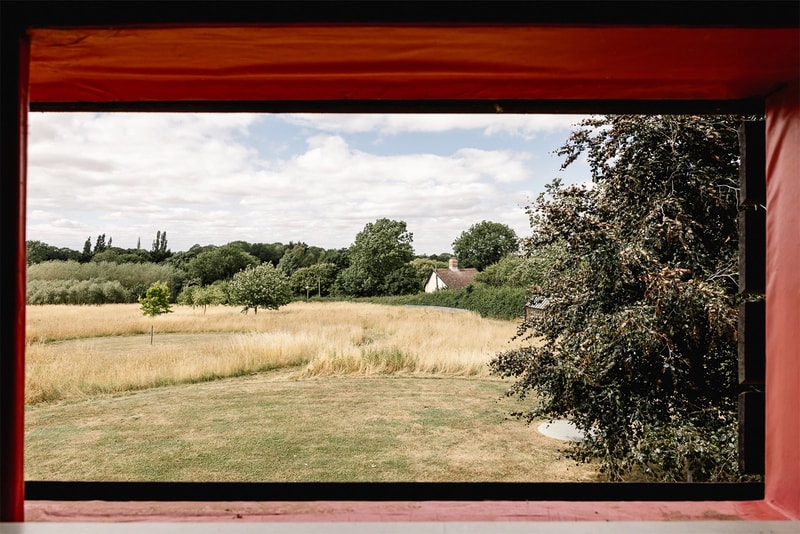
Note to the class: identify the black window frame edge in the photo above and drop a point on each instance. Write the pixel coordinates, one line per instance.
(613, 13)
(391, 491)
(489, 106)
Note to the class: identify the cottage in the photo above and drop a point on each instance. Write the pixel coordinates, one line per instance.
(450, 278)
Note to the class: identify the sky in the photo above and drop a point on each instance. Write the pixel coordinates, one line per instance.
(210, 179)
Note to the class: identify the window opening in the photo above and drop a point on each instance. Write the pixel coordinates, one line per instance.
(475, 162)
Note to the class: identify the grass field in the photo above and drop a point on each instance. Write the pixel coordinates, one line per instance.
(74, 351)
(310, 392)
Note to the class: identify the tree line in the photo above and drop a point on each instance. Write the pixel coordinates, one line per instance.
(380, 262)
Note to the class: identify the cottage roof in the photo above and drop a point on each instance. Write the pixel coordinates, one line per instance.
(456, 279)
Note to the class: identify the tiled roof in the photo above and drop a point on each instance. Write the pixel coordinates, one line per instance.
(456, 279)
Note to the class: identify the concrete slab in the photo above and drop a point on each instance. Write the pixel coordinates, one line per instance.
(561, 429)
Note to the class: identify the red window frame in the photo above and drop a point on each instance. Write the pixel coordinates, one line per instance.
(783, 479)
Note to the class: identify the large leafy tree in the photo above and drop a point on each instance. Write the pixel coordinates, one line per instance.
(39, 251)
(159, 251)
(484, 243)
(299, 256)
(219, 263)
(637, 346)
(379, 258)
(262, 286)
(86, 254)
(271, 252)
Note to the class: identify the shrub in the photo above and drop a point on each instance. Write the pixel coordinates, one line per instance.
(495, 303)
(134, 278)
(92, 291)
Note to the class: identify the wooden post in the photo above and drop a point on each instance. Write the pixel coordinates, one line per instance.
(752, 281)
(752, 343)
(751, 432)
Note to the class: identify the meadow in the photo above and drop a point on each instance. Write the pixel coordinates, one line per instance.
(311, 392)
(74, 351)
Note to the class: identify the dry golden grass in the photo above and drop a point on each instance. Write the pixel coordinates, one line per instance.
(362, 392)
(78, 351)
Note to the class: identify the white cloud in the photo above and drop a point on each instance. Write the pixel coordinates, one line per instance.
(526, 126)
(198, 177)
(331, 191)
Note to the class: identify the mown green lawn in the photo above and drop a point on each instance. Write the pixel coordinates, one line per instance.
(269, 427)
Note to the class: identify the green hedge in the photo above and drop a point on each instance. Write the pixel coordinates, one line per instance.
(92, 291)
(57, 282)
(495, 303)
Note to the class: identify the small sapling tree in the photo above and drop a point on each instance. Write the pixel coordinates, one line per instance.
(207, 296)
(156, 300)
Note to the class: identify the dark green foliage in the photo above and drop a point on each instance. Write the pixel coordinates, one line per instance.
(637, 345)
(401, 281)
(159, 251)
(265, 252)
(495, 303)
(299, 256)
(38, 252)
(379, 250)
(181, 259)
(314, 280)
(339, 257)
(219, 263)
(156, 300)
(86, 255)
(483, 244)
(100, 245)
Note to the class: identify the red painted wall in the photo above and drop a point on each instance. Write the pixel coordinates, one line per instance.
(782, 476)
(313, 62)
(762, 60)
